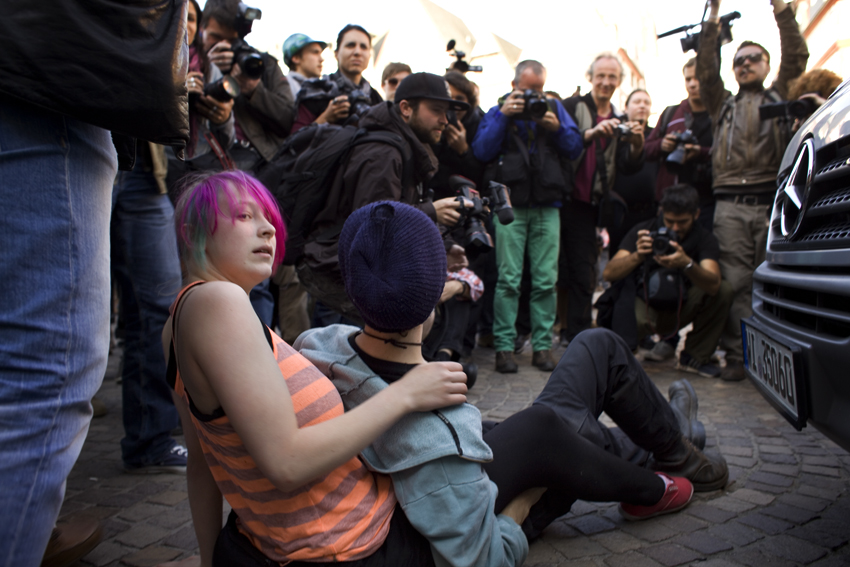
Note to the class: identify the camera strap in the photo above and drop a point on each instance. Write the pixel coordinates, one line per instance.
(225, 160)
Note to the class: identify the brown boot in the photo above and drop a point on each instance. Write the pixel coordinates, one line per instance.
(542, 359)
(505, 362)
(72, 541)
(706, 472)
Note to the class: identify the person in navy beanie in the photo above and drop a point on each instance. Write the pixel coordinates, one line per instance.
(394, 281)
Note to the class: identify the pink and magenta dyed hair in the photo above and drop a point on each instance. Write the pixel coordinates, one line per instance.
(197, 211)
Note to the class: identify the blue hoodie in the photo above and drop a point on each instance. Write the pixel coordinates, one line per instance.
(434, 459)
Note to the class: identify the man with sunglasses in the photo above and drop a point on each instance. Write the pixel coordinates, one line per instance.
(746, 156)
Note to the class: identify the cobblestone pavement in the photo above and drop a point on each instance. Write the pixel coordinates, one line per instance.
(787, 502)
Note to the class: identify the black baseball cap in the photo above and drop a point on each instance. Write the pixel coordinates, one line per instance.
(430, 86)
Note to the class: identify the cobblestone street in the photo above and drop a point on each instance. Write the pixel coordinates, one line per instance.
(787, 502)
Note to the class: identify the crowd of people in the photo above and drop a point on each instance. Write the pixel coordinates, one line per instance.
(420, 228)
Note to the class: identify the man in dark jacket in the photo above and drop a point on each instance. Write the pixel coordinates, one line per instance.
(64, 85)
(746, 156)
(529, 149)
(607, 151)
(376, 172)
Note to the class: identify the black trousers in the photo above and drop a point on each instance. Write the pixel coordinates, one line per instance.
(404, 547)
(577, 264)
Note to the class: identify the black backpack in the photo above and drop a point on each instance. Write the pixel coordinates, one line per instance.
(303, 172)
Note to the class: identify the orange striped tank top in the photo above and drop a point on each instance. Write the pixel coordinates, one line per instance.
(341, 517)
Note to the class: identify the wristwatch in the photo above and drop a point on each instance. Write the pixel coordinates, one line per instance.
(689, 266)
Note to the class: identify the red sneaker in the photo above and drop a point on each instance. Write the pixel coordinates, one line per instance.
(677, 495)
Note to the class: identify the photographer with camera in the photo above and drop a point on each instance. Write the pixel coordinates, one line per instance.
(526, 137)
(681, 144)
(746, 155)
(612, 145)
(669, 277)
(380, 170)
(263, 104)
(335, 97)
(808, 92)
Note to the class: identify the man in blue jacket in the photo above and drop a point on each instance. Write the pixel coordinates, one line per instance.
(525, 136)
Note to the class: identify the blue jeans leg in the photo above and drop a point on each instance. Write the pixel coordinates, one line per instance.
(55, 182)
(147, 270)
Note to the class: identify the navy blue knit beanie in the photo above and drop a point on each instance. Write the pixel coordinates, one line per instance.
(393, 262)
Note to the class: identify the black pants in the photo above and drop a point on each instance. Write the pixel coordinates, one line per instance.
(571, 452)
(404, 547)
(577, 264)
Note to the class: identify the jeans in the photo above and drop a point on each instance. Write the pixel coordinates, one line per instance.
(534, 232)
(147, 271)
(55, 180)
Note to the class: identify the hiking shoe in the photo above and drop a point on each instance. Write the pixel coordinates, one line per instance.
(505, 362)
(687, 363)
(542, 359)
(683, 402)
(734, 371)
(660, 352)
(677, 494)
(706, 471)
(174, 462)
(71, 541)
(520, 342)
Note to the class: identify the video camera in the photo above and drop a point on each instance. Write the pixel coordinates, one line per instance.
(691, 40)
(250, 60)
(460, 64)
(476, 239)
(661, 240)
(801, 108)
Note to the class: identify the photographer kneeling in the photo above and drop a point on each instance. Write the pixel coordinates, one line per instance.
(669, 265)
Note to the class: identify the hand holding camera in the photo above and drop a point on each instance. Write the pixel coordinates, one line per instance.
(610, 128)
(337, 110)
(513, 105)
(455, 135)
(662, 245)
(549, 121)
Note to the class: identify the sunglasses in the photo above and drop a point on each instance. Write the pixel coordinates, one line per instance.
(752, 58)
(393, 81)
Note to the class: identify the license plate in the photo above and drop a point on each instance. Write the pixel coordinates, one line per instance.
(773, 365)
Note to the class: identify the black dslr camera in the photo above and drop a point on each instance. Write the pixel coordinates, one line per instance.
(476, 239)
(250, 60)
(661, 240)
(536, 105)
(802, 108)
(358, 100)
(677, 156)
(460, 64)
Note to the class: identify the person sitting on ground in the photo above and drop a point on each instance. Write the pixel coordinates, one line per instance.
(697, 295)
(245, 399)
(456, 483)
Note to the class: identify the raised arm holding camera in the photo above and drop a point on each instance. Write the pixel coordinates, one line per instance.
(746, 155)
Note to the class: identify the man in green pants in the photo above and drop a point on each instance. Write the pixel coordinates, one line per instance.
(526, 136)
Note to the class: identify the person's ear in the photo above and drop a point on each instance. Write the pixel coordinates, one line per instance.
(696, 216)
(405, 110)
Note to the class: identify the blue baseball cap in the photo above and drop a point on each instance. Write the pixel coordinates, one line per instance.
(295, 43)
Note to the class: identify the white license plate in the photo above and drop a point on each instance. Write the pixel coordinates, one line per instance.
(773, 365)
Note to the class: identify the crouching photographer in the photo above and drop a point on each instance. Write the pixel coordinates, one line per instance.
(263, 105)
(667, 277)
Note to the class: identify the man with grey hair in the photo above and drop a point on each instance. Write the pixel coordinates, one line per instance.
(609, 148)
(526, 137)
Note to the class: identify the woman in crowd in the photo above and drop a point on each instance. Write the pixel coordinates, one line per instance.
(637, 189)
